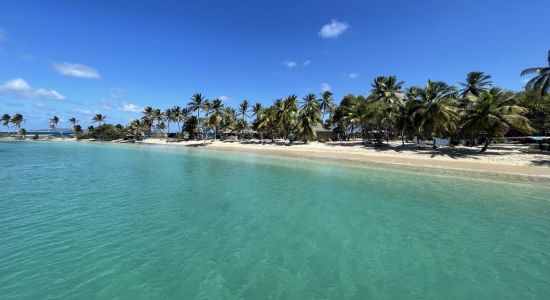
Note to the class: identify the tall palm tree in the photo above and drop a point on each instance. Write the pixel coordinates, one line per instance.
(54, 121)
(310, 105)
(326, 103)
(99, 119)
(183, 117)
(287, 115)
(77, 129)
(309, 116)
(542, 80)
(5, 119)
(256, 109)
(387, 90)
(158, 117)
(216, 115)
(243, 109)
(266, 121)
(170, 117)
(16, 120)
(476, 82)
(493, 113)
(196, 104)
(136, 127)
(438, 113)
(74, 121)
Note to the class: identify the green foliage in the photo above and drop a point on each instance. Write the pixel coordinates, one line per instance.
(104, 132)
(541, 81)
(538, 110)
(191, 127)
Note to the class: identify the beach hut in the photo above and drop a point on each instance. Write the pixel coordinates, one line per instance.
(324, 134)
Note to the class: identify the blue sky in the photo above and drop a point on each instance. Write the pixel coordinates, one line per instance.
(77, 58)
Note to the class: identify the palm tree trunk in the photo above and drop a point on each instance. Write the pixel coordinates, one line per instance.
(199, 123)
(486, 145)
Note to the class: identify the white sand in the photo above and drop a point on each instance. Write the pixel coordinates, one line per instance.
(499, 158)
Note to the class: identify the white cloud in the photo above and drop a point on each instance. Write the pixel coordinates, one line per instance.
(333, 29)
(3, 35)
(106, 104)
(125, 107)
(290, 64)
(307, 62)
(76, 70)
(129, 107)
(19, 88)
(325, 87)
(81, 111)
(224, 98)
(352, 75)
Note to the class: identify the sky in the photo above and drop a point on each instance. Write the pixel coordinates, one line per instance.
(79, 58)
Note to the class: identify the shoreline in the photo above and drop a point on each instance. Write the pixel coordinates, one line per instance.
(503, 159)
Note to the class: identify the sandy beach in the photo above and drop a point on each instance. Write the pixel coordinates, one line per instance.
(499, 158)
(516, 159)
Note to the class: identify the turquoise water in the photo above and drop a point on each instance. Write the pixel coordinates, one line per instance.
(99, 221)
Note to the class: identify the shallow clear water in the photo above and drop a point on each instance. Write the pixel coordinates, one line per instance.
(142, 222)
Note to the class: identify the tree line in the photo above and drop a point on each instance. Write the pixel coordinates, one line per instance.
(475, 110)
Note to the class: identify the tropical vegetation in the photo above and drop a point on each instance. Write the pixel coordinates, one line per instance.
(475, 111)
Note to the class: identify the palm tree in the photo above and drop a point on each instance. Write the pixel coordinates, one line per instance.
(170, 117)
(326, 103)
(476, 82)
(6, 121)
(23, 132)
(243, 109)
(310, 104)
(287, 113)
(99, 118)
(493, 113)
(438, 113)
(183, 116)
(137, 128)
(542, 80)
(216, 115)
(16, 120)
(256, 109)
(54, 121)
(387, 90)
(77, 129)
(196, 104)
(267, 121)
(74, 121)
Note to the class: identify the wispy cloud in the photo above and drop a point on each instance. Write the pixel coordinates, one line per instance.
(333, 29)
(289, 64)
(307, 62)
(224, 98)
(117, 93)
(81, 111)
(107, 104)
(3, 35)
(125, 107)
(351, 75)
(129, 107)
(76, 70)
(325, 87)
(19, 88)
